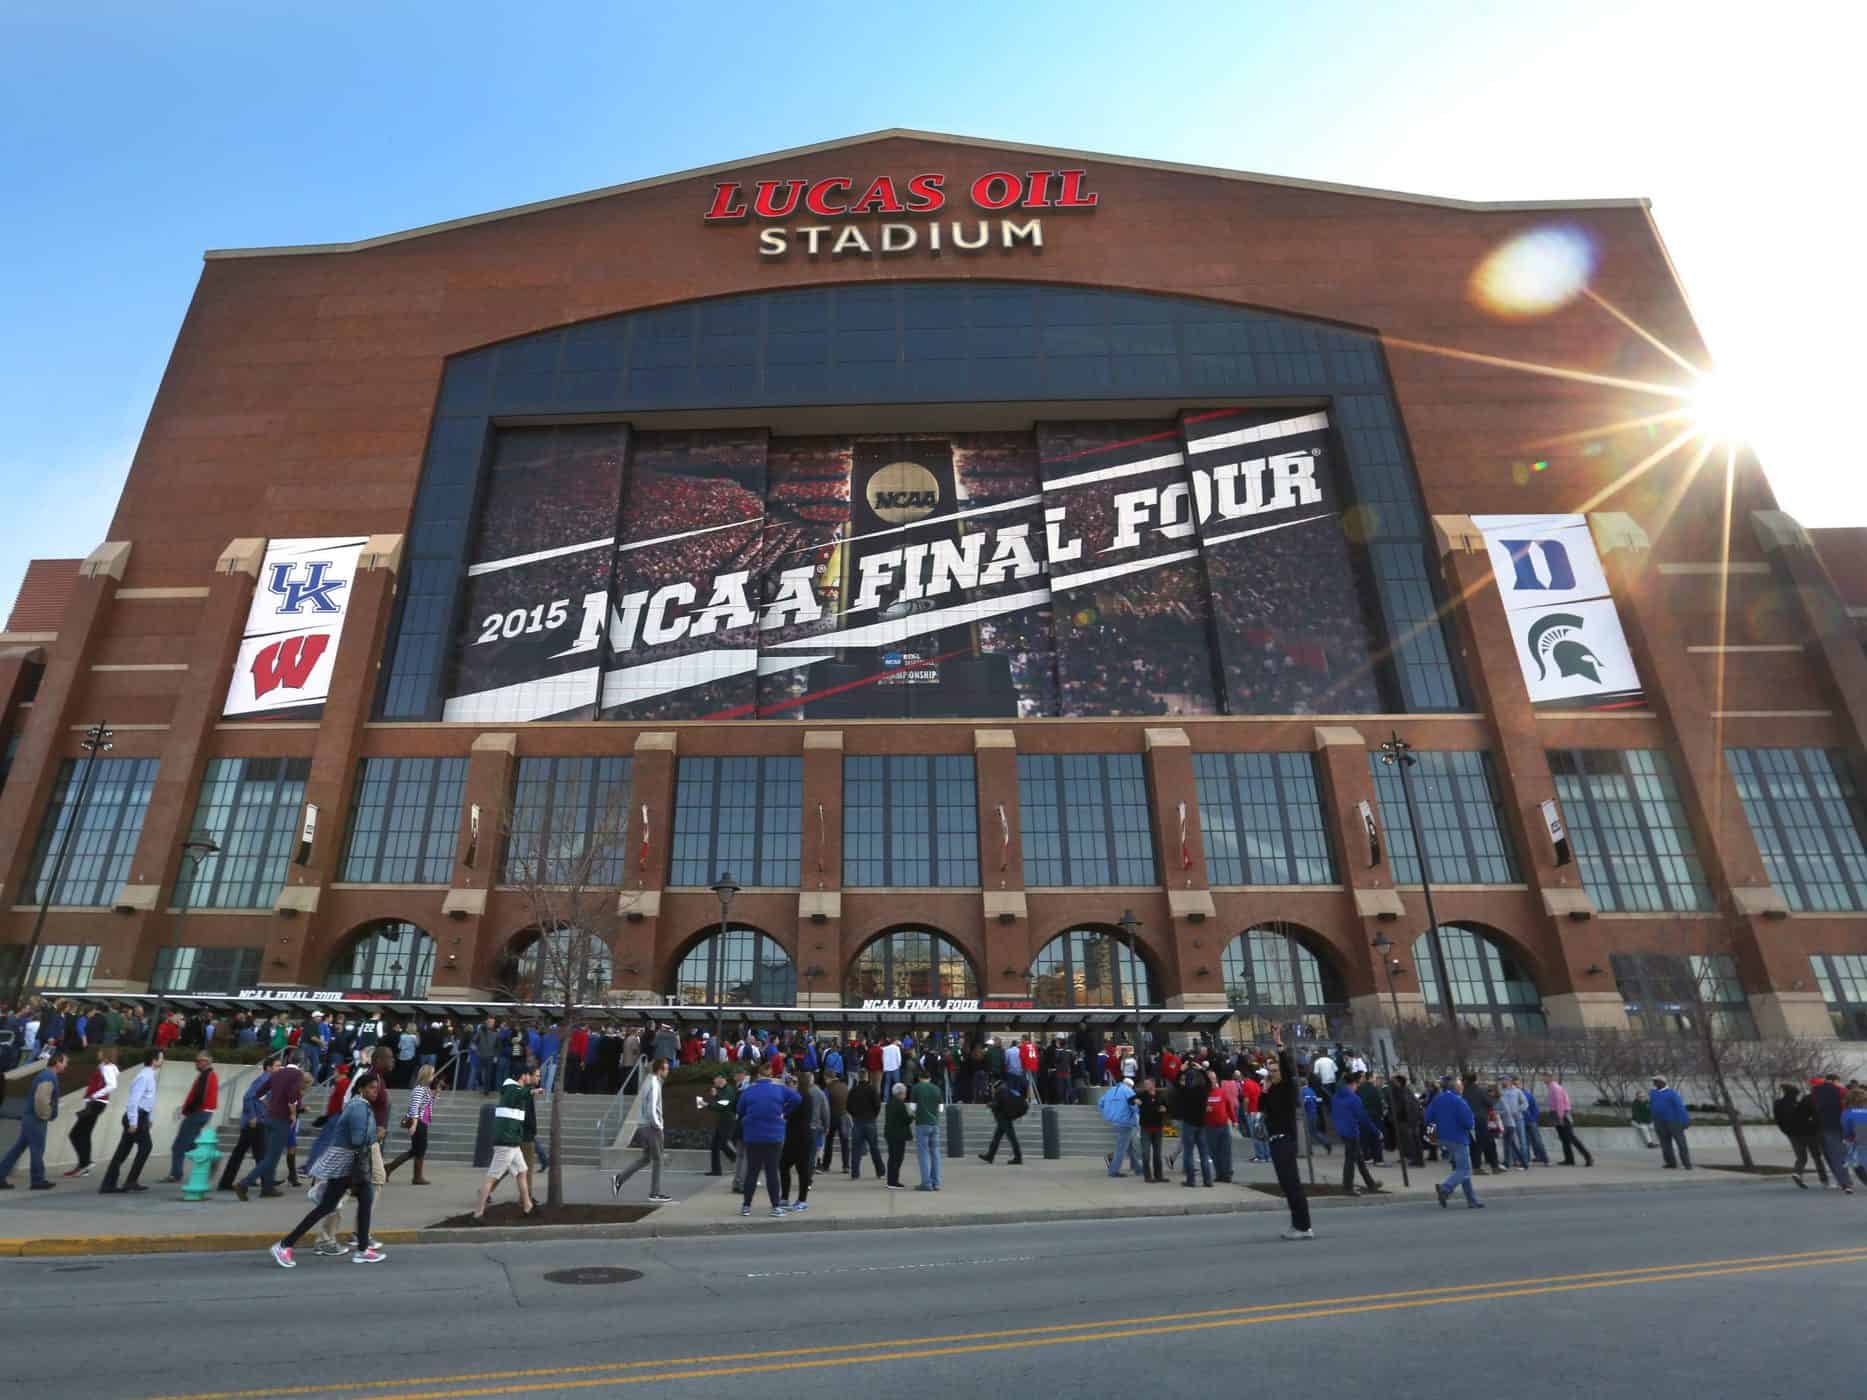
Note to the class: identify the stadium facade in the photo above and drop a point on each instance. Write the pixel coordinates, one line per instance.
(963, 545)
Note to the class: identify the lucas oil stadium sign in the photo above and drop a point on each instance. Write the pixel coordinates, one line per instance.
(839, 200)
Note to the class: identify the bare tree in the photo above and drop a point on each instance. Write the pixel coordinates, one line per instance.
(1758, 1067)
(573, 885)
(1614, 1062)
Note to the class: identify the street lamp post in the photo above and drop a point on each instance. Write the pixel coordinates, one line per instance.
(195, 849)
(724, 888)
(1129, 925)
(1398, 754)
(96, 740)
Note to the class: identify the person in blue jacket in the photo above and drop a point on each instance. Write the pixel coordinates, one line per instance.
(1351, 1121)
(1451, 1120)
(763, 1106)
(1670, 1120)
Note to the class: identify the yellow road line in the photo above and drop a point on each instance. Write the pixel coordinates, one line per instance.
(1324, 1312)
(1447, 1292)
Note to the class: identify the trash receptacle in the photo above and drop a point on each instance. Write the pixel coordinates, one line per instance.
(1053, 1135)
(955, 1132)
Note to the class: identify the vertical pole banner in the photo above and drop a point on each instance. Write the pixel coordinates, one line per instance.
(293, 626)
(1570, 646)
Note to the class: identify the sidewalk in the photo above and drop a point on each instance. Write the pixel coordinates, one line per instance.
(76, 1220)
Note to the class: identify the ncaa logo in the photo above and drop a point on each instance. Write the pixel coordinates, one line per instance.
(903, 492)
(313, 591)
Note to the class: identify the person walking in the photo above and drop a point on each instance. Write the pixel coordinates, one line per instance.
(415, 1120)
(137, 1110)
(253, 1123)
(1121, 1110)
(927, 1102)
(196, 1112)
(837, 1092)
(343, 1166)
(1405, 1109)
(1828, 1105)
(1562, 1110)
(1483, 1105)
(35, 1123)
(1532, 1129)
(1795, 1119)
(1511, 1106)
(1279, 1103)
(651, 1131)
(1670, 1120)
(1008, 1106)
(1216, 1130)
(763, 1106)
(285, 1091)
(97, 1092)
(723, 1103)
(1854, 1134)
(1641, 1114)
(1352, 1125)
(1451, 1118)
(1189, 1107)
(508, 1146)
(798, 1155)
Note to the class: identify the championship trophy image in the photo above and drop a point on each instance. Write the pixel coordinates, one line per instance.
(910, 652)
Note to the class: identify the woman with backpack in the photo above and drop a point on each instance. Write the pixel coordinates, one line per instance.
(1008, 1106)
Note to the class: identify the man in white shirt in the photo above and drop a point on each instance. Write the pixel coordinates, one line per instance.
(891, 1065)
(1325, 1070)
(138, 1110)
(1356, 1064)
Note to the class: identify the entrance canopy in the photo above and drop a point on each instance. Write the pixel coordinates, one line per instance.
(1056, 1020)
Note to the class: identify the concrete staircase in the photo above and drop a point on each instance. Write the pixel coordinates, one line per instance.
(456, 1120)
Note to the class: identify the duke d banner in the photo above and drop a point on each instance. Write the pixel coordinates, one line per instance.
(1196, 566)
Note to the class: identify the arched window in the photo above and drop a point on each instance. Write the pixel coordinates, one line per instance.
(911, 962)
(1492, 991)
(544, 967)
(389, 957)
(740, 967)
(1273, 979)
(1091, 967)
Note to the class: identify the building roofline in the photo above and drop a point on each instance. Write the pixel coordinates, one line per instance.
(893, 133)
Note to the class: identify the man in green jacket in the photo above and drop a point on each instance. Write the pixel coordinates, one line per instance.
(508, 1146)
(723, 1101)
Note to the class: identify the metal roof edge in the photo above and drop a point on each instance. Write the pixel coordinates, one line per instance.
(907, 133)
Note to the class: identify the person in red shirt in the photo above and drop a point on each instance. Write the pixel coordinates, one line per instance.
(168, 1032)
(1169, 1067)
(1217, 1130)
(196, 1112)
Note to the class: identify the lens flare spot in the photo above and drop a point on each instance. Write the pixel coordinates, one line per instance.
(1534, 273)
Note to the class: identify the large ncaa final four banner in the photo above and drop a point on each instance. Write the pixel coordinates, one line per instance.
(1150, 567)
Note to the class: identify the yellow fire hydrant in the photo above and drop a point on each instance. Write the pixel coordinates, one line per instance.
(202, 1157)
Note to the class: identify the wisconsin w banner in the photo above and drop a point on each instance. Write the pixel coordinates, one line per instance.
(1570, 645)
(1177, 567)
(289, 648)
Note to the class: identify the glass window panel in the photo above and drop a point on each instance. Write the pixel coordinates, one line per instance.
(1262, 820)
(102, 840)
(916, 963)
(1460, 810)
(1665, 993)
(405, 815)
(1089, 967)
(1628, 829)
(740, 967)
(250, 808)
(1842, 978)
(738, 816)
(1491, 991)
(1085, 820)
(570, 822)
(910, 820)
(389, 957)
(1806, 814)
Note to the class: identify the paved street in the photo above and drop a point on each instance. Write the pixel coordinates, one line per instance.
(1729, 1288)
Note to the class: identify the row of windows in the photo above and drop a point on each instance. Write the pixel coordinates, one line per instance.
(913, 821)
(1269, 975)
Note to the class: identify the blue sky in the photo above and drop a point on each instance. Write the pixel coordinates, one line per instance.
(132, 137)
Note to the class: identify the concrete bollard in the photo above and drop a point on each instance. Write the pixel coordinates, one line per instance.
(202, 1157)
(955, 1132)
(1053, 1135)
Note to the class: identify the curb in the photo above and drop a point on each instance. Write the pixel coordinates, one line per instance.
(70, 1246)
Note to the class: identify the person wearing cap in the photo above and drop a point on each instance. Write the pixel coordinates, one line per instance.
(1451, 1118)
(1670, 1120)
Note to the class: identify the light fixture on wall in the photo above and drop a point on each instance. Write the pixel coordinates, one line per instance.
(1592, 970)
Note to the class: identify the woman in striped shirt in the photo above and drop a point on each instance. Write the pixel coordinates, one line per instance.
(415, 1120)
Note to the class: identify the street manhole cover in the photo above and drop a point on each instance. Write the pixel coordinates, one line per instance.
(593, 1275)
